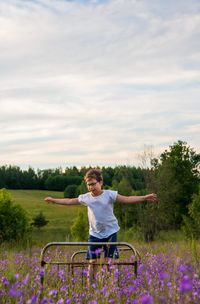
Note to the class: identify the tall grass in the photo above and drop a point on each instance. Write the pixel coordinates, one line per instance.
(167, 273)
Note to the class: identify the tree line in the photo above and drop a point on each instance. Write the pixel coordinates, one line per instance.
(13, 177)
(174, 176)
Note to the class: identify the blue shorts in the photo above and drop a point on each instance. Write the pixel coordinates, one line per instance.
(94, 251)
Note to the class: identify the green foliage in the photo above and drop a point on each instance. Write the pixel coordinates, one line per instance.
(39, 220)
(79, 229)
(59, 182)
(14, 178)
(14, 224)
(56, 183)
(135, 176)
(71, 191)
(183, 163)
(195, 253)
(148, 221)
(174, 178)
(124, 213)
(191, 223)
(82, 188)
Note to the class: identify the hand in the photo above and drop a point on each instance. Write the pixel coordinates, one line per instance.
(151, 197)
(49, 199)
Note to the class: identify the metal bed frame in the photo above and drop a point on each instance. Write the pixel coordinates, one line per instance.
(122, 246)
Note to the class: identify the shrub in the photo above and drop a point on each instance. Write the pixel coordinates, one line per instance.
(39, 220)
(14, 223)
(79, 229)
(71, 191)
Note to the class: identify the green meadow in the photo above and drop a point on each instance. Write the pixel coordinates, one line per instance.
(60, 217)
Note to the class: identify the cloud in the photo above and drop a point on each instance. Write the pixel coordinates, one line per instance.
(92, 82)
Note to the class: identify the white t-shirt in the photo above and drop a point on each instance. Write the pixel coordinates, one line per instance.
(102, 221)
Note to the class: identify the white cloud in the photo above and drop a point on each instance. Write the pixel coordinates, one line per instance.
(92, 82)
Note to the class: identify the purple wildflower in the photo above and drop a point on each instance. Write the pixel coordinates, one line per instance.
(146, 299)
(16, 276)
(61, 301)
(41, 273)
(26, 279)
(64, 288)
(186, 284)
(53, 293)
(32, 300)
(44, 301)
(117, 273)
(163, 276)
(4, 281)
(15, 293)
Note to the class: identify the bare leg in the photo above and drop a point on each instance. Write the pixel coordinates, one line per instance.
(92, 271)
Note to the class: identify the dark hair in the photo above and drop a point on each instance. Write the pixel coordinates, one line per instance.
(94, 173)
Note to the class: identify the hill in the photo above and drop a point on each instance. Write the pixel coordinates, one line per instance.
(60, 217)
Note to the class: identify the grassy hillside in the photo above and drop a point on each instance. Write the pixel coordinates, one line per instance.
(60, 217)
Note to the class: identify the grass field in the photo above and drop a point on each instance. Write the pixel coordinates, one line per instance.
(60, 217)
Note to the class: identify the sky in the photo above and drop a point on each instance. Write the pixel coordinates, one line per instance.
(97, 83)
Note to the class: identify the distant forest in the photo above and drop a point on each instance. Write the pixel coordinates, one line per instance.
(12, 177)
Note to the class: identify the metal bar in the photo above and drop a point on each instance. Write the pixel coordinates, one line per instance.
(135, 252)
(88, 263)
(85, 251)
(73, 264)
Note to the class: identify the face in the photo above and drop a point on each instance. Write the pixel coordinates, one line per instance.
(94, 186)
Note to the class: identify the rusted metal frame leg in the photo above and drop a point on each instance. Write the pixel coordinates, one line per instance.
(135, 268)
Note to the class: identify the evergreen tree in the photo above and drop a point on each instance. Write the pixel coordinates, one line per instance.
(79, 229)
(39, 220)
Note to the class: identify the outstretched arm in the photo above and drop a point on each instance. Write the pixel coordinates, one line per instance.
(136, 199)
(62, 201)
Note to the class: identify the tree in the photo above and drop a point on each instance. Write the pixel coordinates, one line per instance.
(71, 191)
(39, 220)
(82, 188)
(79, 229)
(56, 182)
(191, 223)
(174, 176)
(177, 169)
(14, 223)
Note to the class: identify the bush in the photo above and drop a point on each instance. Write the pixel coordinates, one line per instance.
(39, 220)
(71, 191)
(14, 224)
(79, 229)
